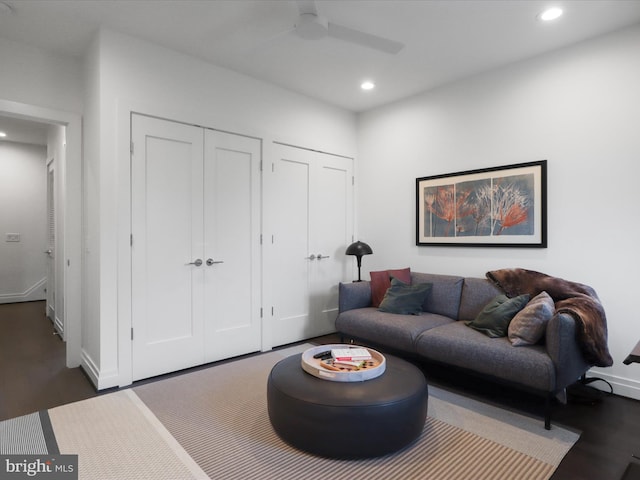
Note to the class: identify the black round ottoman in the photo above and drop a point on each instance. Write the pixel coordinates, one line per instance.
(347, 419)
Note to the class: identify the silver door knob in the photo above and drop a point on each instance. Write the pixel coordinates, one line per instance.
(48, 252)
(197, 262)
(211, 261)
(311, 257)
(320, 256)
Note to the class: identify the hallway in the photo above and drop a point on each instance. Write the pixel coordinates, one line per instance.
(33, 375)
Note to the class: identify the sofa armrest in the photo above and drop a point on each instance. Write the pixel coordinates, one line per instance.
(564, 350)
(354, 295)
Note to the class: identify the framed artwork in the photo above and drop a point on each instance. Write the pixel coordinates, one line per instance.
(491, 207)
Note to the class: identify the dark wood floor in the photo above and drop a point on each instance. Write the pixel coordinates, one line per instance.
(33, 377)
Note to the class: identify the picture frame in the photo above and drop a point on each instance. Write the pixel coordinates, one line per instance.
(502, 206)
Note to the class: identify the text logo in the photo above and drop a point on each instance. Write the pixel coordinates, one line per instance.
(49, 467)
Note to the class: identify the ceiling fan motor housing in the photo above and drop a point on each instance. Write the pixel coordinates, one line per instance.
(312, 27)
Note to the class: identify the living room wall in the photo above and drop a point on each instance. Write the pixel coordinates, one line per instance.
(576, 108)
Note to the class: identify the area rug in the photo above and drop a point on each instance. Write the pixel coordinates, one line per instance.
(213, 423)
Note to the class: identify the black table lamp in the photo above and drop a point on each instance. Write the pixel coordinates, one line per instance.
(359, 249)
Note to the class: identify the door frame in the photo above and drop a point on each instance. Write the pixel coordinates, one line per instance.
(71, 200)
(50, 306)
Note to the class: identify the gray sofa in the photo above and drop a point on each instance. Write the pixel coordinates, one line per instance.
(440, 334)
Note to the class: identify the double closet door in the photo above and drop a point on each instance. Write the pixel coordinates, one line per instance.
(313, 225)
(195, 245)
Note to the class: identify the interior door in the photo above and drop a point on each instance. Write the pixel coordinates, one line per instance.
(312, 228)
(167, 246)
(331, 234)
(51, 243)
(232, 244)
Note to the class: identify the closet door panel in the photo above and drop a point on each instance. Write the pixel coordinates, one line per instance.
(292, 311)
(167, 236)
(232, 245)
(313, 227)
(332, 229)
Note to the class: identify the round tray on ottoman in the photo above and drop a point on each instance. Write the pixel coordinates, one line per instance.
(347, 419)
(314, 365)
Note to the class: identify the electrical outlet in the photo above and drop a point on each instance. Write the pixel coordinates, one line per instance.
(13, 237)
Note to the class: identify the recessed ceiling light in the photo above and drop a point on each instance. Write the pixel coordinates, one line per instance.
(2, 134)
(368, 85)
(550, 14)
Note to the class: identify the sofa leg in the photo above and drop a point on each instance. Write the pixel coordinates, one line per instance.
(547, 412)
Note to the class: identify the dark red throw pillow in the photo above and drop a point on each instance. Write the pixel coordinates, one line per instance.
(381, 281)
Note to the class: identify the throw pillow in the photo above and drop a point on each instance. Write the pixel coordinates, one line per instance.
(530, 323)
(494, 318)
(381, 281)
(404, 299)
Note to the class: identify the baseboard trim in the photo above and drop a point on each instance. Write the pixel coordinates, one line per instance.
(101, 380)
(32, 294)
(625, 387)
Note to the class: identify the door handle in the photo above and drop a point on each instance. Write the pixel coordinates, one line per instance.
(48, 252)
(311, 257)
(211, 261)
(197, 262)
(320, 256)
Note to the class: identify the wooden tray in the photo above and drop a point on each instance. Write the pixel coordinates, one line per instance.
(314, 366)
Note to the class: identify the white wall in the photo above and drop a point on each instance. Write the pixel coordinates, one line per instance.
(125, 74)
(579, 109)
(23, 210)
(35, 77)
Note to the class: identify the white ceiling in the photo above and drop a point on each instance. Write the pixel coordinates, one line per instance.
(445, 40)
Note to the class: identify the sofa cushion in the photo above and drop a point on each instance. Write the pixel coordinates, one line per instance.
(354, 295)
(389, 329)
(494, 319)
(403, 298)
(530, 323)
(444, 298)
(381, 281)
(456, 344)
(476, 293)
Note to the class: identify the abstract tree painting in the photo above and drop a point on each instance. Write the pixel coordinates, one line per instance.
(502, 206)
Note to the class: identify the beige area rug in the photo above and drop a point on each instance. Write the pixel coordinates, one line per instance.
(219, 415)
(213, 423)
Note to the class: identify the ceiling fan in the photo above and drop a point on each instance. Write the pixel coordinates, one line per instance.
(310, 25)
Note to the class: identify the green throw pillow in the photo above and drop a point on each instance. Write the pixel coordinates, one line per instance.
(494, 319)
(404, 299)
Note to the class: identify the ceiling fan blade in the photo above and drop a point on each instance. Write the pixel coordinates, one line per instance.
(364, 39)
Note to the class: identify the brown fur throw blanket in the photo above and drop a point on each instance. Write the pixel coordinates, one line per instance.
(576, 299)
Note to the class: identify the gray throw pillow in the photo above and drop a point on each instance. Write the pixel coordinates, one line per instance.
(404, 299)
(530, 324)
(494, 318)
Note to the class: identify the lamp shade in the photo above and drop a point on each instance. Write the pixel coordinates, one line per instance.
(358, 249)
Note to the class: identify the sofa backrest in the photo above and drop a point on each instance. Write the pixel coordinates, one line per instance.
(444, 297)
(476, 293)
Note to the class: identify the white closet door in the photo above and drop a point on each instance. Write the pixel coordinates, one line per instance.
(167, 233)
(232, 245)
(331, 234)
(313, 226)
